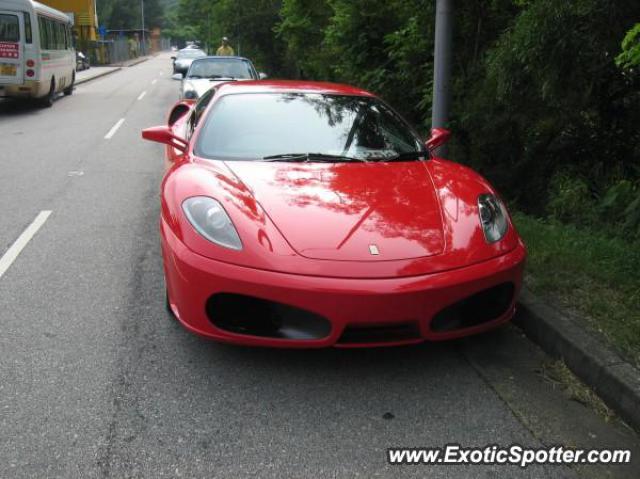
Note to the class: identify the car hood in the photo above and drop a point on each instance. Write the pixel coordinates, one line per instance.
(349, 211)
(201, 85)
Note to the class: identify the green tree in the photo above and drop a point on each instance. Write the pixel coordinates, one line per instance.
(124, 14)
(551, 100)
(630, 56)
(302, 28)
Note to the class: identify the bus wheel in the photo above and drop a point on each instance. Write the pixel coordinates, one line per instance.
(69, 90)
(47, 101)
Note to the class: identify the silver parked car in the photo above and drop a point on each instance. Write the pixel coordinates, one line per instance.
(209, 71)
(182, 60)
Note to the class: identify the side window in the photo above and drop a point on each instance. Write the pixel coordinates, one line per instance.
(59, 36)
(41, 31)
(55, 35)
(44, 33)
(27, 28)
(51, 34)
(191, 125)
(201, 106)
(63, 32)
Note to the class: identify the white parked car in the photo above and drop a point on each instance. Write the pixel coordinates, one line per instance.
(209, 71)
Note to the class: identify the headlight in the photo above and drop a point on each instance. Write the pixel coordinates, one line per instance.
(190, 94)
(210, 219)
(493, 217)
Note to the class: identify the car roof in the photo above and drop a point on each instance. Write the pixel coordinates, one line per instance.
(189, 50)
(291, 86)
(223, 58)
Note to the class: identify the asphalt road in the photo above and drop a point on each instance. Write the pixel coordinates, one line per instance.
(97, 381)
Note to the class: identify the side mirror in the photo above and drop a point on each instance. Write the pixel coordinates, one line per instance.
(263, 76)
(163, 134)
(179, 110)
(176, 76)
(173, 58)
(439, 136)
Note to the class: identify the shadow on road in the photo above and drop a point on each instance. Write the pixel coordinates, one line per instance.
(14, 107)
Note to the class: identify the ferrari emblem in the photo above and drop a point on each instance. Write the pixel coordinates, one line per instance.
(373, 249)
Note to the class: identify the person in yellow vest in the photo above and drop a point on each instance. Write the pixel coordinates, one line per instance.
(225, 49)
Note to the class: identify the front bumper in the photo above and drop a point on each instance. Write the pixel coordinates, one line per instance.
(346, 303)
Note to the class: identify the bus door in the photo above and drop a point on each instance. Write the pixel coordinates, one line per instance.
(11, 47)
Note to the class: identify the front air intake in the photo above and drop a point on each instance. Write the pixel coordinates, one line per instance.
(479, 308)
(241, 314)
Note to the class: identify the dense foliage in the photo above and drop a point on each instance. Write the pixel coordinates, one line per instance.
(127, 14)
(546, 97)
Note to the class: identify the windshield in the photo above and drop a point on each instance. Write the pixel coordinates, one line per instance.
(213, 68)
(9, 31)
(191, 54)
(263, 125)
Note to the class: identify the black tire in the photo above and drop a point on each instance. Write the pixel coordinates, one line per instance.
(47, 101)
(69, 90)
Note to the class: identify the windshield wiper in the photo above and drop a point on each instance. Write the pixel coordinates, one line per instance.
(313, 158)
(221, 77)
(194, 76)
(407, 155)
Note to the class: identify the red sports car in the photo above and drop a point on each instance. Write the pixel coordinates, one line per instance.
(305, 214)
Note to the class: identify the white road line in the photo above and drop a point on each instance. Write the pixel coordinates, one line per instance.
(16, 248)
(142, 95)
(154, 81)
(113, 129)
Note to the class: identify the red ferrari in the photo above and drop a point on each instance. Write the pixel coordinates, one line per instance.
(305, 214)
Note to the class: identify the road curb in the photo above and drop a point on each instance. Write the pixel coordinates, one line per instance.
(85, 80)
(616, 381)
(115, 69)
(136, 62)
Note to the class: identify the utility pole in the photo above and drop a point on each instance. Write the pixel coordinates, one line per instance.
(209, 39)
(237, 32)
(144, 45)
(442, 67)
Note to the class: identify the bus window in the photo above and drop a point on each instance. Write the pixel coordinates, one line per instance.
(44, 37)
(9, 29)
(59, 35)
(63, 43)
(27, 28)
(51, 34)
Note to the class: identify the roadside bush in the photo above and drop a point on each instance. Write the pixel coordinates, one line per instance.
(571, 200)
(630, 55)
